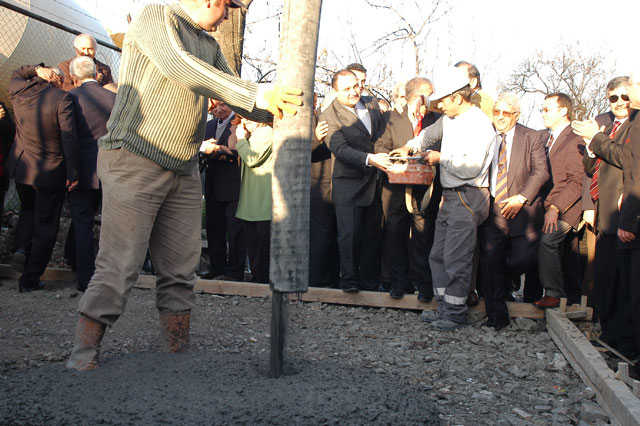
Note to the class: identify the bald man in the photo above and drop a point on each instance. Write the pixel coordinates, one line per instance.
(85, 45)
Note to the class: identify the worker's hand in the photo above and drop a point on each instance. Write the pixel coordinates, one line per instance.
(47, 74)
(403, 151)
(71, 185)
(321, 130)
(430, 157)
(279, 99)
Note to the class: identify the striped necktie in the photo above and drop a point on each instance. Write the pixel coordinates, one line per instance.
(593, 188)
(501, 177)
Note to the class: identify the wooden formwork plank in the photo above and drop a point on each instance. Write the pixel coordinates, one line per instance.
(324, 295)
(612, 393)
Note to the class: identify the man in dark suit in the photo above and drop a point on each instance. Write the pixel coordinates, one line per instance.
(43, 163)
(324, 259)
(606, 187)
(221, 192)
(92, 104)
(86, 45)
(407, 240)
(510, 235)
(563, 193)
(355, 123)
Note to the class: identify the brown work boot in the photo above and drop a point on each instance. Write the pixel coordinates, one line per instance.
(86, 349)
(174, 330)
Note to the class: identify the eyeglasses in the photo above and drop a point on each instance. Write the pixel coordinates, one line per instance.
(506, 114)
(546, 110)
(614, 98)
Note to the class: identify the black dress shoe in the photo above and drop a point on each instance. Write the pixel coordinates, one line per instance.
(490, 322)
(509, 296)
(396, 293)
(500, 324)
(350, 288)
(425, 293)
(37, 287)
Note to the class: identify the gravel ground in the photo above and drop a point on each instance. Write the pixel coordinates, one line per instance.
(344, 365)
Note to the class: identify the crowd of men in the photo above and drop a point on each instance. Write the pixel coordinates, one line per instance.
(504, 209)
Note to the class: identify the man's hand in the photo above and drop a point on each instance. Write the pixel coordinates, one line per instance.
(279, 99)
(510, 207)
(550, 220)
(321, 130)
(47, 74)
(71, 185)
(403, 151)
(626, 236)
(380, 160)
(586, 129)
(430, 157)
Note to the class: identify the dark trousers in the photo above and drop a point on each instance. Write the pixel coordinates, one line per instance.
(502, 257)
(572, 266)
(359, 241)
(324, 261)
(258, 236)
(83, 204)
(631, 278)
(405, 240)
(37, 228)
(612, 293)
(222, 227)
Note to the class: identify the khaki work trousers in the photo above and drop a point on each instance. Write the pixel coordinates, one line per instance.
(144, 205)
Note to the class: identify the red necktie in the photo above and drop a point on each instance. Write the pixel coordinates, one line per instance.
(549, 143)
(593, 188)
(418, 128)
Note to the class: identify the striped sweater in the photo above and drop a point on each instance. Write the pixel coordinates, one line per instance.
(169, 67)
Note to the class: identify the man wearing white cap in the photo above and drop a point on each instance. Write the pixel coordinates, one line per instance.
(466, 138)
(148, 165)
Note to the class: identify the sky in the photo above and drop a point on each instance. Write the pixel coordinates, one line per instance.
(495, 35)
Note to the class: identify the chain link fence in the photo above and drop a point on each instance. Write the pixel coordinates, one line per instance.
(28, 38)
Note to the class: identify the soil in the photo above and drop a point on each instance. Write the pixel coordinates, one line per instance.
(343, 365)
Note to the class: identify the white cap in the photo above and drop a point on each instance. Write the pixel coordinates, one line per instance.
(452, 80)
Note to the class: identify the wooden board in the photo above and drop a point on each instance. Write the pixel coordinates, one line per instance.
(314, 294)
(612, 393)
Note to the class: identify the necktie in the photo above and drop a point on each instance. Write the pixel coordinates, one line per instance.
(418, 128)
(593, 188)
(549, 144)
(501, 178)
(408, 189)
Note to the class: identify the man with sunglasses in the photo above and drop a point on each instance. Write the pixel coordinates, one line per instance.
(509, 237)
(606, 188)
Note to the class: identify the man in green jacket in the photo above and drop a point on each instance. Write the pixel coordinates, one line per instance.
(148, 165)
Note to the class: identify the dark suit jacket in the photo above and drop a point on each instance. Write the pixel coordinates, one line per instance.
(564, 187)
(45, 149)
(321, 165)
(93, 105)
(354, 183)
(609, 175)
(103, 71)
(630, 210)
(527, 174)
(222, 177)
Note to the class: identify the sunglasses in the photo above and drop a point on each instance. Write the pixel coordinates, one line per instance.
(614, 98)
(506, 114)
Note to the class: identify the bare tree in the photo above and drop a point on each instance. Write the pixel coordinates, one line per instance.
(581, 75)
(230, 37)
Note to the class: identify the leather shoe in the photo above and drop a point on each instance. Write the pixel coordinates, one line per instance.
(39, 286)
(226, 278)
(500, 324)
(396, 293)
(473, 299)
(209, 275)
(490, 322)
(350, 288)
(547, 302)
